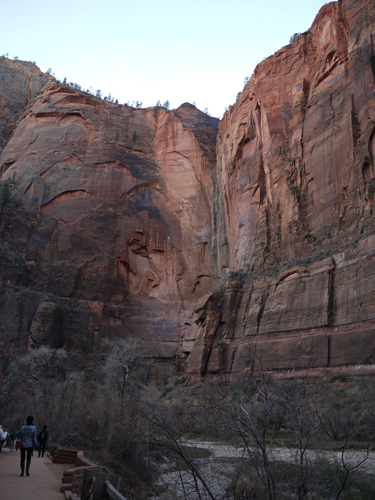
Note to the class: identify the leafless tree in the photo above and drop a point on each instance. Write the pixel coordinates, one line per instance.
(254, 416)
(10, 378)
(121, 361)
(164, 433)
(52, 388)
(265, 406)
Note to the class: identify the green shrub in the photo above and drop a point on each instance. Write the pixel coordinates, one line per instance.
(294, 37)
(5, 190)
(5, 193)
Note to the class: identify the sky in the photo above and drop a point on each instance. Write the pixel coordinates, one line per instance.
(196, 51)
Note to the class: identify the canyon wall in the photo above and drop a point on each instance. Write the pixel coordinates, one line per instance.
(20, 83)
(205, 240)
(108, 233)
(296, 161)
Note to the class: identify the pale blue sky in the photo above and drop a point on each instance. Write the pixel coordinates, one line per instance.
(148, 50)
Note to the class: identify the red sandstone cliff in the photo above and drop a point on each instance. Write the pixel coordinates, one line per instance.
(122, 220)
(296, 156)
(20, 83)
(115, 237)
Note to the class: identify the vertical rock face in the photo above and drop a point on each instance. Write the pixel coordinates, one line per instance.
(296, 149)
(20, 83)
(118, 235)
(296, 178)
(123, 221)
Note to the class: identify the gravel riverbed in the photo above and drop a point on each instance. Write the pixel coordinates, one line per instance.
(219, 463)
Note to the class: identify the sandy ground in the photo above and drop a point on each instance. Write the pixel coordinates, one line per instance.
(42, 484)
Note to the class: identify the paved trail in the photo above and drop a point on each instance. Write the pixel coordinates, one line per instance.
(40, 485)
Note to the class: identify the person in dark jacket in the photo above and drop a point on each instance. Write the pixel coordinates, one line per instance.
(13, 439)
(42, 440)
(27, 435)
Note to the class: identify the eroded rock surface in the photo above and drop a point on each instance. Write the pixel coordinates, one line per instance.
(296, 179)
(134, 222)
(20, 82)
(117, 223)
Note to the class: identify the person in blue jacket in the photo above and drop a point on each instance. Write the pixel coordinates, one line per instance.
(27, 435)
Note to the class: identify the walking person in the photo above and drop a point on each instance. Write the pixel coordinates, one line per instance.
(27, 435)
(13, 439)
(3, 436)
(42, 439)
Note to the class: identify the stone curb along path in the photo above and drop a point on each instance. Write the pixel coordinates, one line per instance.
(40, 485)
